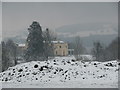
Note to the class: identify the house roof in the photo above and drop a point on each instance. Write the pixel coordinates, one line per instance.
(57, 41)
(21, 45)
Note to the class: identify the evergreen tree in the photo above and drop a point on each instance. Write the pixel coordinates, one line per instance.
(78, 47)
(34, 43)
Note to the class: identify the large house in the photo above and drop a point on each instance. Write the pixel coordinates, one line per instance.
(60, 48)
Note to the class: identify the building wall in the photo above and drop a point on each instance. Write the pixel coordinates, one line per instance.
(60, 49)
(21, 49)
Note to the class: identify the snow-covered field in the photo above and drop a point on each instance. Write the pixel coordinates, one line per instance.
(61, 72)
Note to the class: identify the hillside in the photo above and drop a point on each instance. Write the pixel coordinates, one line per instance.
(61, 72)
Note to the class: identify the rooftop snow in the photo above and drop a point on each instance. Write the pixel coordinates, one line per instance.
(57, 41)
(21, 45)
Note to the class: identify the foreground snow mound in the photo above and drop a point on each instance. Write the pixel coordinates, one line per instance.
(61, 70)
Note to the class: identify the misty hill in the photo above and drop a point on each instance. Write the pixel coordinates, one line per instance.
(90, 32)
(88, 41)
(74, 28)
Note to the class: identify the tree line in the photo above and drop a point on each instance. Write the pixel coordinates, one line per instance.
(99, 50)
(39, 47)
(105, 53)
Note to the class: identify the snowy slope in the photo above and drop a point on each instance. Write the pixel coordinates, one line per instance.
(61, 72)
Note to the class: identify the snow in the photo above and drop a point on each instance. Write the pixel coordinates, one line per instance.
(61, 72)
(57, 41)
(21, 45)
(86, 57)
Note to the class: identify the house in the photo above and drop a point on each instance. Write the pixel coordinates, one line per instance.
(22, 46)
(60, 48)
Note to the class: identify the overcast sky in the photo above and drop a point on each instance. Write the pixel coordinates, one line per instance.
(18, 16)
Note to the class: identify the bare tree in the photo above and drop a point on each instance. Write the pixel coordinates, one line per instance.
(78, 47)
(12, 52)
(9, 54)
(112, 50)
(119, 47)
(98, 51)
(49, 36)
(5, 58)
(0, 57)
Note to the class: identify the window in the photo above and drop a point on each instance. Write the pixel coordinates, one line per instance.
(60, 46)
